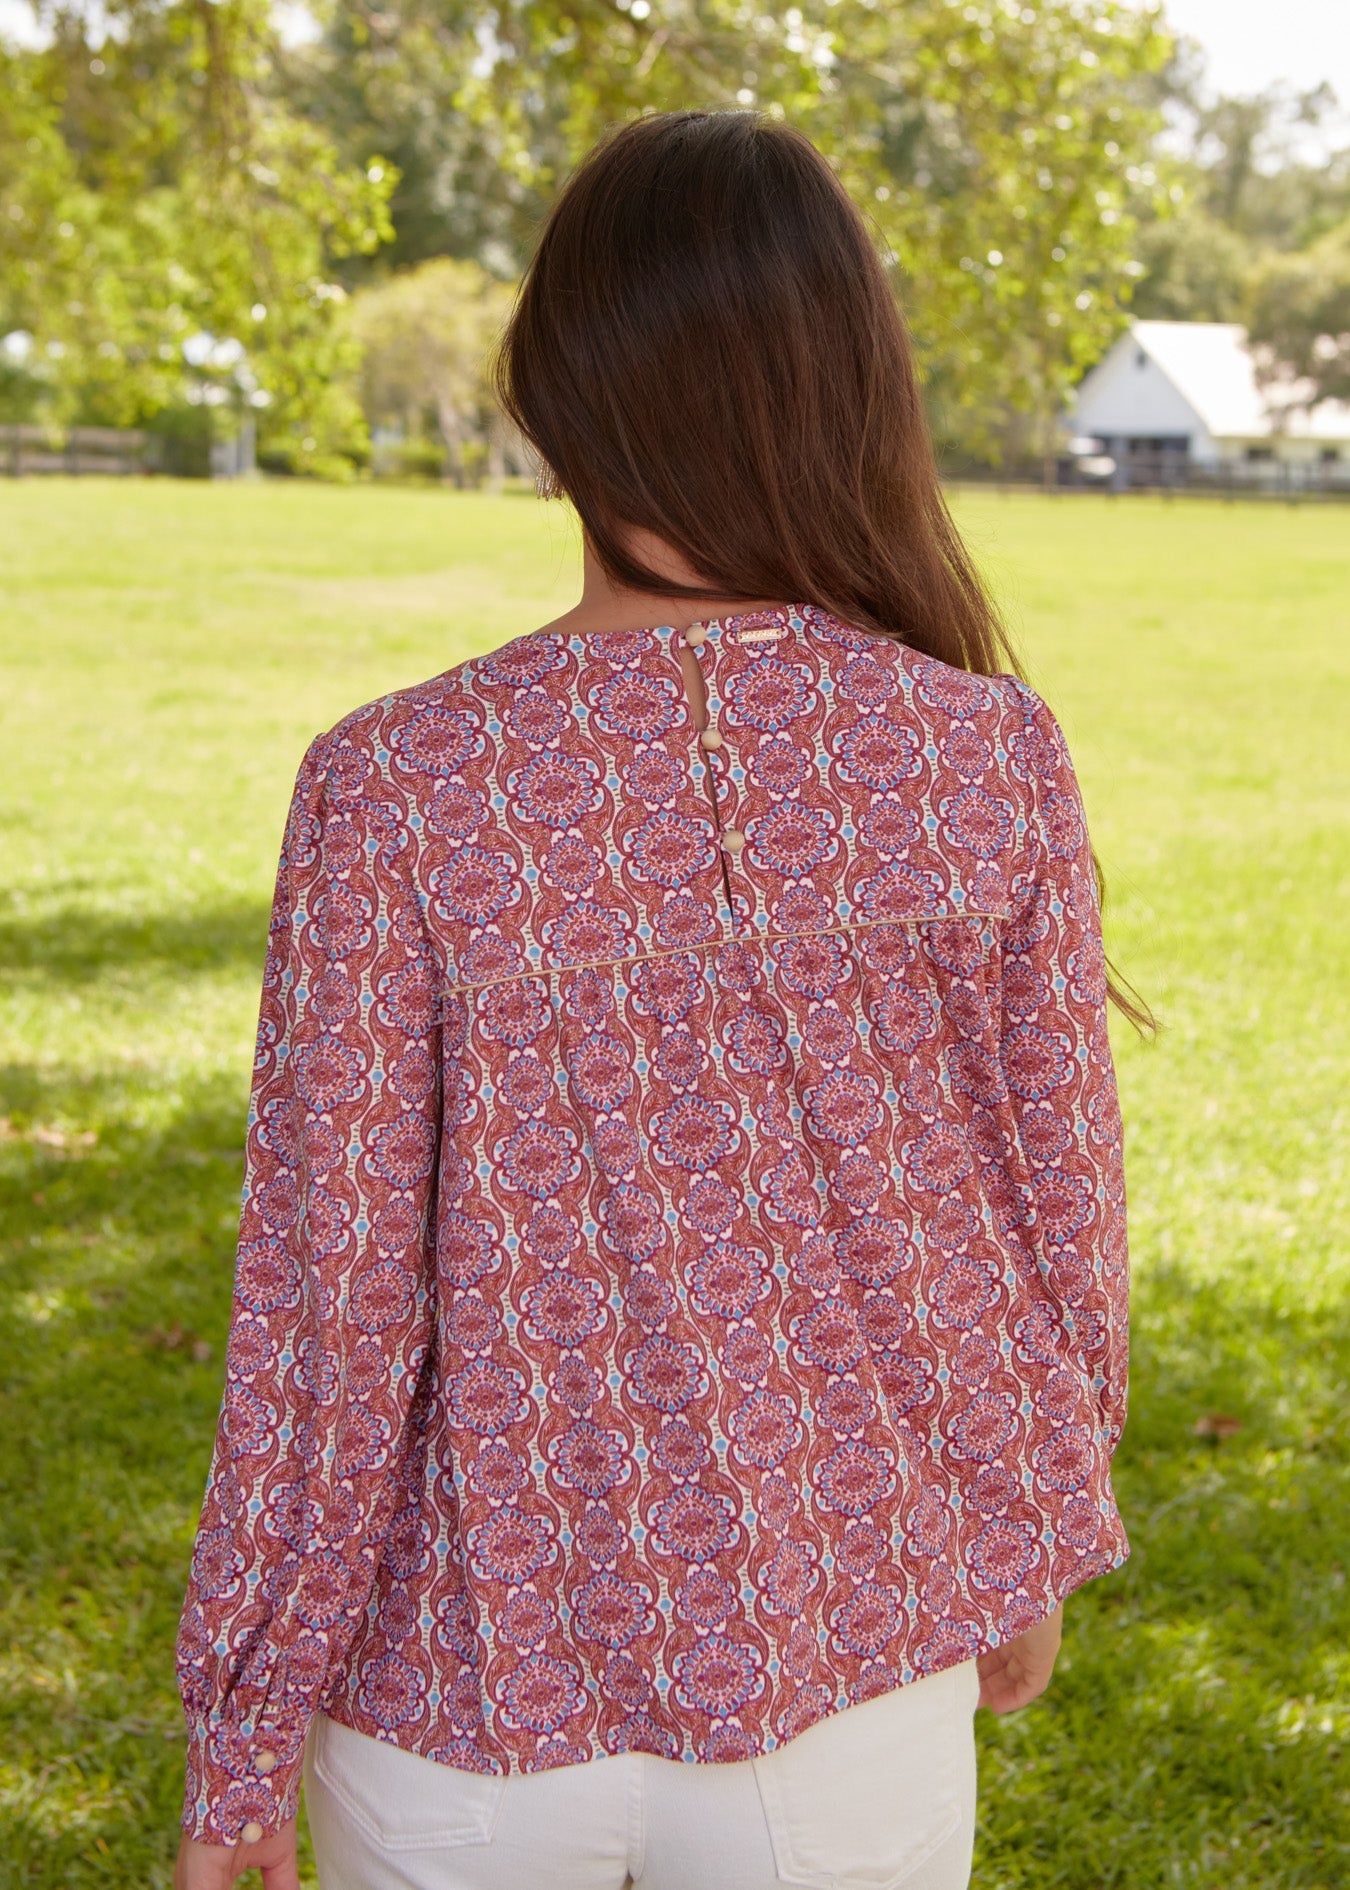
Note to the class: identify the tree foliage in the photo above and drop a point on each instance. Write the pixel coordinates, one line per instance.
(172, 170)
(1255, 240)
(993, 145)
(1300, 313)
(1195, 268)
(426, 337)
(157, 187)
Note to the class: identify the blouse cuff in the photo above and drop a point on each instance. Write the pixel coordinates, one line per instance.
(243, 1781)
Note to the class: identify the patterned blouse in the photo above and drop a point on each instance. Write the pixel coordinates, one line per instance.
(681, 1288)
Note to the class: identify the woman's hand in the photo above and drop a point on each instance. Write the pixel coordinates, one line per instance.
(215, 1866)
(1018, 1672)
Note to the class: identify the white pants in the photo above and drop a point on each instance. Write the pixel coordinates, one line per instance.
(880, 1795)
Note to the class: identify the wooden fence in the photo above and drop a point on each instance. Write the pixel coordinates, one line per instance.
(105, 450)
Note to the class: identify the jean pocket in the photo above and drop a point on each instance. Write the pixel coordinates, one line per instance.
(402, 1801)
(860, 1801)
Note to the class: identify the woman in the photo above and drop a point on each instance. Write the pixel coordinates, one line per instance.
(679, 1333)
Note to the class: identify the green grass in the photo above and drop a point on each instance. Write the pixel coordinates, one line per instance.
(170, 649)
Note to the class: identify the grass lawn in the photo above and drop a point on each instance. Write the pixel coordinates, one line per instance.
(168, 651)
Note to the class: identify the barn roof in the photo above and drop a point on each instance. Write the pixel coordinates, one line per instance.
(1211, 366)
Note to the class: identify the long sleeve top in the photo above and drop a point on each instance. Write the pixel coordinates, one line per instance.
(681, 1287)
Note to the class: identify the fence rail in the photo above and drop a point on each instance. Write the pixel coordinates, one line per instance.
(106, 450)
(1277, 478)
(1263, 480)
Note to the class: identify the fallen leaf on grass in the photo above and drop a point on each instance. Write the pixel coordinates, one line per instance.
(1217, 1424)
(46, 1137)
(174, 1339)
(64, 1138)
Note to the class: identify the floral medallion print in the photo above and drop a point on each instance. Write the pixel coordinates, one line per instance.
(589, 1459)
(879, 753)
(790, 840)
(767, 696)
(671, 849)
(536, 717)
(556, 790)
(681, 1282)
(638, 705)
(474, 887)
(717, 1677)
(438, 741)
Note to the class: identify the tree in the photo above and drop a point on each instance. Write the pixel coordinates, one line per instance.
(999, 148)
(1252, 171)
(426, 338)
(160, 189)
(1195, 269)
(1003, 149)
(47, 268)
(1251, 191)
(1300, 316)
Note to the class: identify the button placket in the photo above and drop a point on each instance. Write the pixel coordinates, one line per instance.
(735, 803)
(712, 745)
(710, 739)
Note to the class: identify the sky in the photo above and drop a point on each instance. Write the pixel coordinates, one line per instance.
(1250, 44)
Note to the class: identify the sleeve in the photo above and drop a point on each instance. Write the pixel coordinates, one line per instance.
(1056, 1058)
(333, 1312)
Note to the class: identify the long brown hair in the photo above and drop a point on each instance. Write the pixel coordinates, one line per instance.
(706, 347)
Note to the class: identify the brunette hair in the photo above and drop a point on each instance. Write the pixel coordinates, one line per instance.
(705, 346)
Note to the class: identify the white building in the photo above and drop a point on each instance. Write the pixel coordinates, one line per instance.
(1171, 396)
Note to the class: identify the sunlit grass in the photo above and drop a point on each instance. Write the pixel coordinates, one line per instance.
(170, 649)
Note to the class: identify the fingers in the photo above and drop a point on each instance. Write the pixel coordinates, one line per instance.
(216, 1866)
(203, 1866)
(1009, 1681)
(1018, 1672)
(275, 1857)
(284, 1875)
(1006, 1694)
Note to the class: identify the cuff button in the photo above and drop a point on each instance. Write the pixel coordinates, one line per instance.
(252, 1832)
(265, 1762)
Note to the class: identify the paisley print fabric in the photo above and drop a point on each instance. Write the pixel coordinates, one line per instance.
(681, 1286)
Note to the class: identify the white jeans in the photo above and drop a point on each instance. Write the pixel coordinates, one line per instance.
(880, 1795)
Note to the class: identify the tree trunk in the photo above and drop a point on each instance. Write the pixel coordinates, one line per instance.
(452, 432)
(496, 443)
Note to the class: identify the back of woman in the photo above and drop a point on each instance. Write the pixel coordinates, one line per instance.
(681, 1298)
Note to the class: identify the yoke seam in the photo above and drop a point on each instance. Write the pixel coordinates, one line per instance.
(709, 944)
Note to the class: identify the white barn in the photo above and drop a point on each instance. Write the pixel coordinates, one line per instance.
(1170, 396)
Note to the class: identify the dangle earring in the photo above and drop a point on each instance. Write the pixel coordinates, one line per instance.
(546, 482)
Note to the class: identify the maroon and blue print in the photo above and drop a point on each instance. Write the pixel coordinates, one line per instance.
(682, 1280)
